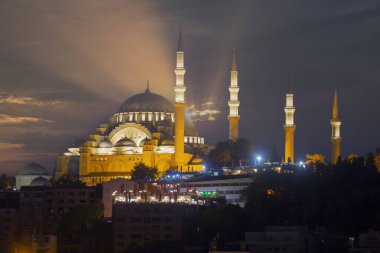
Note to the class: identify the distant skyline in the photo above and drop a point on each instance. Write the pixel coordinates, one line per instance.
(65, 66)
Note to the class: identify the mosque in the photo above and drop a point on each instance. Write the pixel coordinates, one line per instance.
(32, 174)
(147, 128)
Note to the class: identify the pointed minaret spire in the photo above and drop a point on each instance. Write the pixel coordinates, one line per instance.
(234, 102)
(147, 87)
(335, 105)
(335, 130)
(180, 42)
(234, 62)
(290, 84)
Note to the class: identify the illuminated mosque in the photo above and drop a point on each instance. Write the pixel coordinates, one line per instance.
(150, 129)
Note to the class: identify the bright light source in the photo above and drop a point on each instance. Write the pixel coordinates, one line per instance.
(258, 158)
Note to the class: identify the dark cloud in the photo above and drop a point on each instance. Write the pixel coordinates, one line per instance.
(44, 144)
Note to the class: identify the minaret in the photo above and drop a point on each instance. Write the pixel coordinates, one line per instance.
(233, 103)
(289, 126)
(335, 130)
(179, 105)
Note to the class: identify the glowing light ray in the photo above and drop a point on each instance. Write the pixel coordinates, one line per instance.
(8, 119)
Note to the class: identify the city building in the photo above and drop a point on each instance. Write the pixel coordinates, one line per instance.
(136, 225)
(40, 206)
(368, 243)
(229, 186)
(109, 188)
(147, 128)
(44, 243)
(32, 174)
(9, 203)
(277, 239)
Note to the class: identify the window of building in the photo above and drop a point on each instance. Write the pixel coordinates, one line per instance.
(168, 228)
(135, 236)
(155, 228)
(121, 219)
(120, 236)
(135, 219)
(120, 244)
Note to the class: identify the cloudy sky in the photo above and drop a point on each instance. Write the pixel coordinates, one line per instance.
(67, 65)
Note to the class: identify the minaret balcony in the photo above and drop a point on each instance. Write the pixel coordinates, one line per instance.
(233, 89)
(180, 71)
(233, 103)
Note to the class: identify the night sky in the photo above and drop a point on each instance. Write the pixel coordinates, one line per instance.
(65, 66)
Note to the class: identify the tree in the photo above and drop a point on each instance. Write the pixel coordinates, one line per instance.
(228, 153)
(6, 182)
(66, 181)
(143, 172)
(79, 217)
(342, 199)
(370, 161)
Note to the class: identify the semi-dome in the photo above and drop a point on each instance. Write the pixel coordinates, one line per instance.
(105, 144)
(144, 141)
(33, 169)
(147, 102)
(40, 181)
(125, 142)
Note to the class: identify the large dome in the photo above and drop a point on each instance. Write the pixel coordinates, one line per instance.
(33, 169)
(147, 102)
(125, 142)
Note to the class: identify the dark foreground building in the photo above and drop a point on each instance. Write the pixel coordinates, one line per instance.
(139, 225)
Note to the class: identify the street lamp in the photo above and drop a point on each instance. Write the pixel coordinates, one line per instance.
(258, 158)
